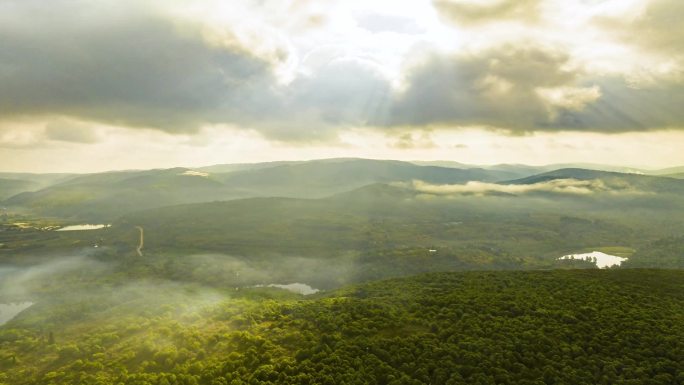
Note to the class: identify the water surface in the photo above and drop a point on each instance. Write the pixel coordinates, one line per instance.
(601, 260)
(82, 227)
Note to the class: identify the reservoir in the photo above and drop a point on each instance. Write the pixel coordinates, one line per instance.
(601, 260)
(82, 227)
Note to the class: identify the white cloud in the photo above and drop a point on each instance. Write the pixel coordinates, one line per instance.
(559, 186)
(568, 98)
(376, 78)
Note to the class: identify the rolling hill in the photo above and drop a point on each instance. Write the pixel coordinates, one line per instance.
(315, 179)
(104, 196)
(108, 195)
(10, 187)
(12, 183)
(669, 170)
(381, 221)
(611, 180)
(233, 167)
(523, 170)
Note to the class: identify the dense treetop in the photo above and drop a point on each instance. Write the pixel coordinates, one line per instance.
(543, 327)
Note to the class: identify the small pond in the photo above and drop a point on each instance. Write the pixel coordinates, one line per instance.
(601, 260)
(82, 227)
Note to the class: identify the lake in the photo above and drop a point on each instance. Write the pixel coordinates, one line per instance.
(82, 227)
(601, 260)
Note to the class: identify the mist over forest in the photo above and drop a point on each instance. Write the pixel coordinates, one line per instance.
(341, 192)
(277, 273)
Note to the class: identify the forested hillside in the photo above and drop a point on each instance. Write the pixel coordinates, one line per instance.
(107, 195)
(372, 192)
(545, 327)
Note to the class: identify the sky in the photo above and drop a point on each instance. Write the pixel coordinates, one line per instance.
(92, 85)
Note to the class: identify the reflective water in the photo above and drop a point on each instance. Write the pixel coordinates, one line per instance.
(601, 260)
(82, 227)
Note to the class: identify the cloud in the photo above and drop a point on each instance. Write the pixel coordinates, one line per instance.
(656, 29)
(151, 65)
(468, 12)
(523, 90)
(121, 63)
(130, 64)
(71, 132)
(500, 87)
(413, 140)
(559, 186)
(377, 23)
(625, 107)
(341, 93)
(17, 135)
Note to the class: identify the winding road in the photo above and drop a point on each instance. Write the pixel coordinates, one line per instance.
(142, 241)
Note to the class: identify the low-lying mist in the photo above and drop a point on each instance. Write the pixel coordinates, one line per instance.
(96, 286)
(221, 270)
(558, 186)
(19, 283)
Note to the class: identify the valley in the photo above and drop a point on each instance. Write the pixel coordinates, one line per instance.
(360, 192)
(293, 266)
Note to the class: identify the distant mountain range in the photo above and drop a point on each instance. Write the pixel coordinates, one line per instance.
(380, 217)
(534, 226)
(614, 181)
(10, 187)
(108, 195)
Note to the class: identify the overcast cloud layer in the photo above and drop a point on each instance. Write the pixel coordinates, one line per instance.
(302, 71)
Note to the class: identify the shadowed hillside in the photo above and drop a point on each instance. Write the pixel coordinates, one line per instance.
(105, 196)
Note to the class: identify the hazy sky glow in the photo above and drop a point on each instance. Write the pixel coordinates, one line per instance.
(112, 84)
